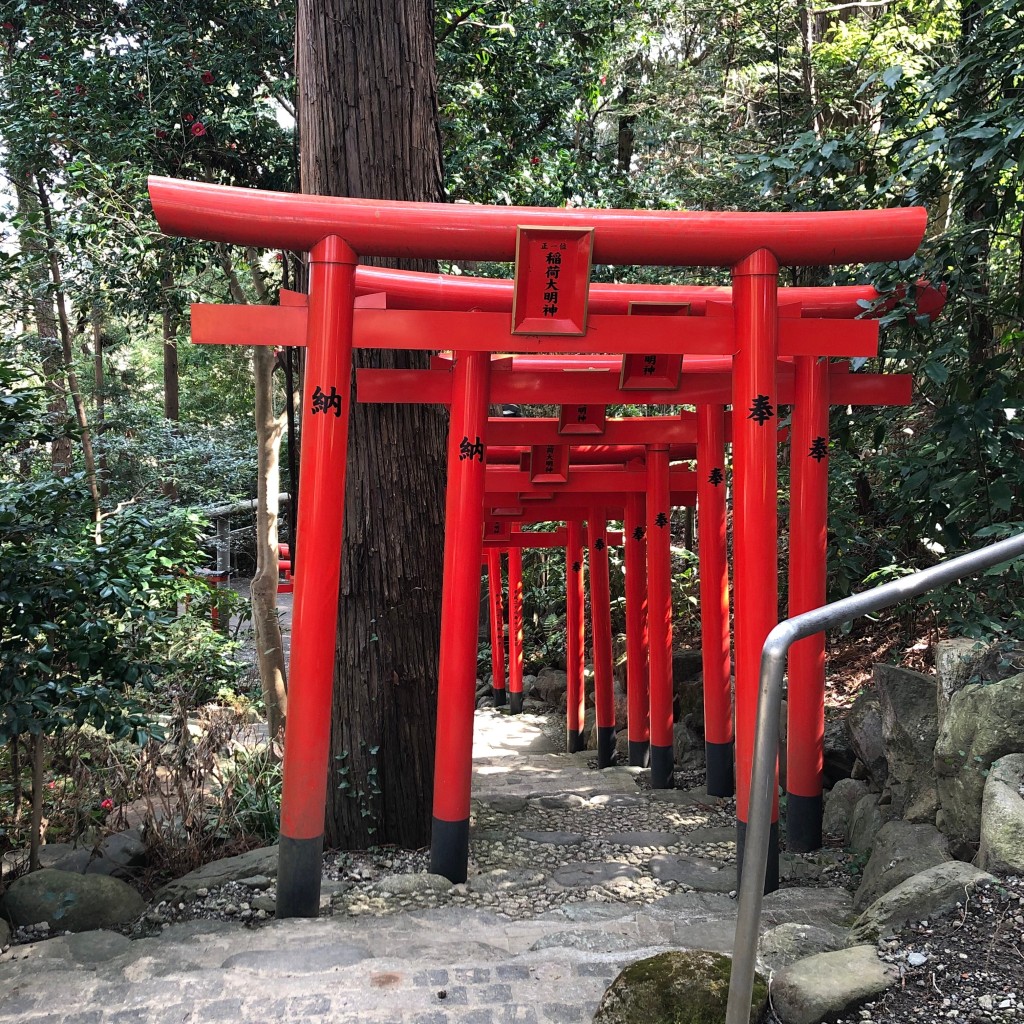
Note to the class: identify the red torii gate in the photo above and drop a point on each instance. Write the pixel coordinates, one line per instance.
(514, 543)
(411, 290)
(659, 593)
(336, 232)
(631, 510)
(637, 648)
(603, 488)
(546, 380)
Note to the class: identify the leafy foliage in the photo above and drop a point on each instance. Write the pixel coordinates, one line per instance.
(84, 626)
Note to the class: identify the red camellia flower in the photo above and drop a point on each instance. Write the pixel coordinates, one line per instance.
(161, 134)
(79, 89)
(198, 128)
(207, 77)
(188, 117)
(8, 26)
(108, 804)
(534, 159)
(56, 92)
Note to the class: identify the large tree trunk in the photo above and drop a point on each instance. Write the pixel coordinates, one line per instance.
(369, 128)
(269, 429)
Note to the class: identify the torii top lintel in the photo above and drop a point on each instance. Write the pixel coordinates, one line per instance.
(374, 227)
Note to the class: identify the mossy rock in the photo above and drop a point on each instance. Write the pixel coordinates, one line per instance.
(678, 987)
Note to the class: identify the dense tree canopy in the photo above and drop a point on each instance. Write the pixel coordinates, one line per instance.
(665, 104)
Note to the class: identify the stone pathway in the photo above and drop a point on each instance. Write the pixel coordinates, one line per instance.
(574, 873)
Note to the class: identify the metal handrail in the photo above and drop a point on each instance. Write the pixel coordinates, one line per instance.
(762, 783)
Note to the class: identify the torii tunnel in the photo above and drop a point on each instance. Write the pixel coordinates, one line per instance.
(777, 350)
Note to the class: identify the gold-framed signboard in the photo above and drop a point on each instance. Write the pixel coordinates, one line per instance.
(552, 280)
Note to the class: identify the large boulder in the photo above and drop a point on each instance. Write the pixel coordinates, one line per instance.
(678, 987)
(1002, 817)
(229, 869)
(117, 854)
(828, 984)
(929, 892)
(954, 659)
(869, 815)
(795, 940)
(5, 934)
(901, 849)
(907, 704)
(687, 663)
(825, 907)
(839, 754)
(864, 728)
(69, 901)
(550, 686)
(839, 806)
(984, 722)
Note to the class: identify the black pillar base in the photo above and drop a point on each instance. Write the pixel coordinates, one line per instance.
(639, 753)
(605, 746)
(515, 703)
(449, 849)
(663, 766)
(300, 866)
(771, 875)
(575, 741)
(803, 822)
(498, 696)
(721, 780)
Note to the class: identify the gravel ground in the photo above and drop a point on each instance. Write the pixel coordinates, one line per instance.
(966, 966)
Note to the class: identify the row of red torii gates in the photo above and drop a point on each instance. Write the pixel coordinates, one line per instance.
(582, 347)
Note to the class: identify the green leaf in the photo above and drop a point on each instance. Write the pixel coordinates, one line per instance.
(1001, 495)
(892, 75)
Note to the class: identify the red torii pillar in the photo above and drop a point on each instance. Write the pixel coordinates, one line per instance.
(575, 629)
(637, 689)
(755, 515)
(460, 603)
(601, 631)
(659, 617)
(808, 545)
(515, 630)
(714, 599)
(317, 571)
(497, 618)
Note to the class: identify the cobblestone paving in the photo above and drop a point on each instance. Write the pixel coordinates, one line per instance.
(563, 892)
